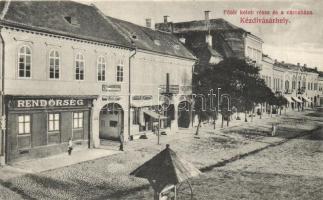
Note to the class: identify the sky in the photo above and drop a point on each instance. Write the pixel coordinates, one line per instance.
(300, 41)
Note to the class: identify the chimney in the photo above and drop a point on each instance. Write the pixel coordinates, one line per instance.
(207, 15)
(275, 61)
(208, 37)
(148, 23)
(305, 65)
(298, 64)
(166, 19)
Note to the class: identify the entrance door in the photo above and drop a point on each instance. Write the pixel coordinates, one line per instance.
(184, 114)
(111, 122)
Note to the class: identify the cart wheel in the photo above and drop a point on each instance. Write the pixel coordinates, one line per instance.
(184, 191)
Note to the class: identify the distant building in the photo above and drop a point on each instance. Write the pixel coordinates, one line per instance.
(212, 40)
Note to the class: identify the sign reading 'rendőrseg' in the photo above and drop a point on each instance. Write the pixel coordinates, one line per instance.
(36, 103)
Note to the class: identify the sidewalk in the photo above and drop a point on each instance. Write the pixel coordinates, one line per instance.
(52, 162)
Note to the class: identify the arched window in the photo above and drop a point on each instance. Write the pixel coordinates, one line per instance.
(54, 63)
(101, 68)
(24, 62)
(79, 67)
(120, 71)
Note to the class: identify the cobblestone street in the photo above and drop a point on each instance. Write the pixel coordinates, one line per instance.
(285, 168)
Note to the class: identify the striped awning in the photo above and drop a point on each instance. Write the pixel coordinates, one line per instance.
(307, 99)
(297, 100)
(289, 99)
(153, 114)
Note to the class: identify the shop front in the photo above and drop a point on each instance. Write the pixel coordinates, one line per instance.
(39, 126)
(150, 114)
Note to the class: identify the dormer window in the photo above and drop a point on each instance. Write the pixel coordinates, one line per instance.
(71, 20)
(134, 36)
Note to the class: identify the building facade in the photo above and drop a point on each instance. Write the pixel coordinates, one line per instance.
(161, 63)
(67, 77)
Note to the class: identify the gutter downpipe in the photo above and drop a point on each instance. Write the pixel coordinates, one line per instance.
(3, 130)
(129, 91)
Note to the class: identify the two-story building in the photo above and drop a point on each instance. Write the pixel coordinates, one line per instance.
(161, 64)
(61, 64)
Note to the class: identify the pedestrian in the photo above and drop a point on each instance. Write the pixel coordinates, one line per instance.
(121, 141)
(70, 146)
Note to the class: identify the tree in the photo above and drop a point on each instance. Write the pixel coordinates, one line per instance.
(235, 77)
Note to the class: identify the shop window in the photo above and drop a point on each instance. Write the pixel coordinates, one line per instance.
(79, 67)
(23, 124)
(54, 63)
(53, 122)
(24, 62)
(24, 132)
(101, 69)
(78, 120)
(113, 123)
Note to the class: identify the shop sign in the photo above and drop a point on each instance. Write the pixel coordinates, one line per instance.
(111, 88)
(174, 89)
(186, 88)
(142, 97)
(111, 98)
(39, 103)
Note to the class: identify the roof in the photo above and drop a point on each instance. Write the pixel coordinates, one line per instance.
(218, 24)
(295, 67)
(200, 25)
(153, 40)
(52, 17)
(166, 167)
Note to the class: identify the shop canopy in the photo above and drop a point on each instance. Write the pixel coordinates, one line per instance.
(153, 114)
(297, 100)
(289, 99)
(307, 99)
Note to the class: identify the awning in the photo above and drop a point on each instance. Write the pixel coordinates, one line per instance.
(307, 99)
(154, 114)
(289, 99)
(297, 100)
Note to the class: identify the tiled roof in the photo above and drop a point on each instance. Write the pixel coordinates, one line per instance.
(53, 17)
(153, 40)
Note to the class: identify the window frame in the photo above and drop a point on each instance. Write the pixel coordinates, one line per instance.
(24, 135)
(18, 62)
(78, 120)
(77, 60)
(24, 124)
(121, 65)
(59, 64)
(104, 63)
(54, 120)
